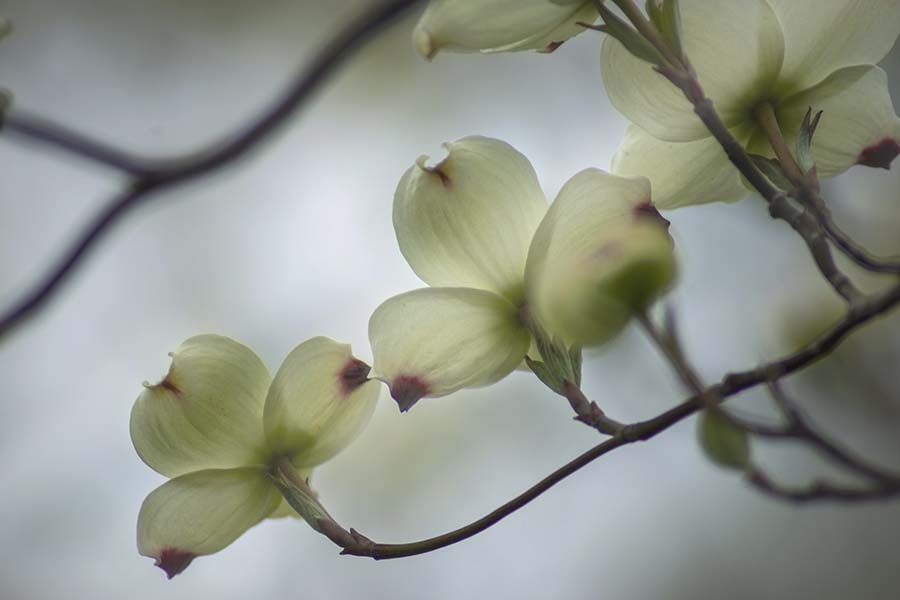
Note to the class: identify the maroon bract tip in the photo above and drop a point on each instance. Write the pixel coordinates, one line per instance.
(407, 390)
(354, 374)
(647, 210)
(550, 48)
(880, 155)
(173, 561)
(167, 384)
(445, 179)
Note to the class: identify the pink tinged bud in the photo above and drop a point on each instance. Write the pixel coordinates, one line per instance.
(173, 561)
(880, 155)
(407, 390)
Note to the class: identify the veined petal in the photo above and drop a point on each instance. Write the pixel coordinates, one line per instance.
(858, 126)
(201, 513)
(822, 36)
(206, 413)
(435, 341)
(681, 173)
(582, 252)
(498, 25)
(320, 400)
(735, 46)
(467, 221)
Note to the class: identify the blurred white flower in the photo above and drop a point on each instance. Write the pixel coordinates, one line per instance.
(499, 25)
(793, 54)
(476, 227)
(218, 423)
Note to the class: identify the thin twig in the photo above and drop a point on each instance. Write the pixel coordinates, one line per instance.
(191, 167)
(818, 491)
(730, 385)
(802, 429)
(853, 250)
(59, 136)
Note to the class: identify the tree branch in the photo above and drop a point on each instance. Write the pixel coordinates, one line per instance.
(149, 179)
(730, 385)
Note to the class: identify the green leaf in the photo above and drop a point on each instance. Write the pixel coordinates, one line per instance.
(629, 37)
(725, 444)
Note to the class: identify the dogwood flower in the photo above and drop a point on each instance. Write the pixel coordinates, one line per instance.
(218, 423)
(499, 25)
(791, 54)
(477, 228)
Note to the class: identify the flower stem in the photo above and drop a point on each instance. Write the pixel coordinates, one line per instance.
(764, 113)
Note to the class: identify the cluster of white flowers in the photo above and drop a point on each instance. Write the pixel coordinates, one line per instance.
(505, 269)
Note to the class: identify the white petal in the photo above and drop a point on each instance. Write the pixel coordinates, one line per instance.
(681, 173)
(498, 25)
(858, 124)
(597, 233)
(206, 413)
(822, 36)
(319, 401)
(467, 221)
(201, 513)
(432, 342)
(736, 47)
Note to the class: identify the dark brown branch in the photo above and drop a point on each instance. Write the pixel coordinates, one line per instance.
(682, 75)
(853, 250)
(801, 429)
(188, 168)
(819, 491)
(729, 386)
(58, 136)
(589, 412)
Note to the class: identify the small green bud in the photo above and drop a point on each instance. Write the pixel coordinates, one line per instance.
(666, 17)
(634, 42)
(804, 141)
(725, 443)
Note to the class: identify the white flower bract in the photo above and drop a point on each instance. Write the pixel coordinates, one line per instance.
(477, 227)
(499, 25)
(792, 54)
(217, 423)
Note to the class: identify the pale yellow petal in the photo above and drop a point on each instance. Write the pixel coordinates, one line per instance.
(681, 173)
(822, 36)
(201, 513)
(320, 400)
(498, 25)
(435, 341)
(858, 124)
(736, 47)
(467, 221)
(206, 413)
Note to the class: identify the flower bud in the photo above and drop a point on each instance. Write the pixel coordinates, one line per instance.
(499, 25)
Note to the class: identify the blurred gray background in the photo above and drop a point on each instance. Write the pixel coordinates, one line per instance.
(298, 242)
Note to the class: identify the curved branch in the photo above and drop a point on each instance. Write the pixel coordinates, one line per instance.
(180, 170)
(730, 385)
(41, 130)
